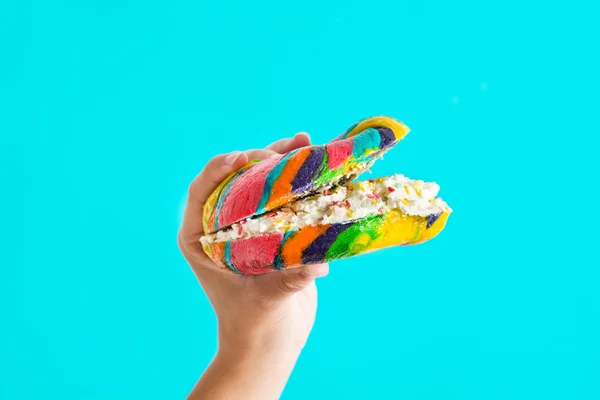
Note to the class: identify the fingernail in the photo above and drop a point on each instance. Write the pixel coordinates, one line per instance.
(231, 157)
(315, 271)
(303, 134)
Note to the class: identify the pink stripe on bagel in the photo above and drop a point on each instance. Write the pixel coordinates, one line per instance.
(245, 193)
(339, 151)
(256, 255)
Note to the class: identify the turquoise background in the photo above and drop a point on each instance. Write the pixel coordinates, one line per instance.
(108, 109)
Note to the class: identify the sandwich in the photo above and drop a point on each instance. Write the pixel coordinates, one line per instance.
(304, 207)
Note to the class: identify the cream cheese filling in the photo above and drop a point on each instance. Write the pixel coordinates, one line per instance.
(349, 202)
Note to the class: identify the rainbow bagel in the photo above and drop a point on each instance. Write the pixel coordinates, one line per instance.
(303, 208)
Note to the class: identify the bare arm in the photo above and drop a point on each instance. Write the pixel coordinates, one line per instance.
(256, 373)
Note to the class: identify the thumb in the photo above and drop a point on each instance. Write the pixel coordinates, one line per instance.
(297, 279)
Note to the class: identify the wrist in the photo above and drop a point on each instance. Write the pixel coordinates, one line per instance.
(260, 344)
(262, 333)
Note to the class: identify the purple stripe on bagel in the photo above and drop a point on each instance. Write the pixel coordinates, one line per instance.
(431, 219)
(305, 175)
(387, 136)
(317, 250)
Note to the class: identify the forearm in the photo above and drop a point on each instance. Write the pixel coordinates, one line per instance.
(256, 373)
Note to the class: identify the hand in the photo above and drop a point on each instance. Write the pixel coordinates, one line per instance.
(263, 320)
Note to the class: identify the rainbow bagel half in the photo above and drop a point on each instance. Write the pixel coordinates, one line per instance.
(303, 208)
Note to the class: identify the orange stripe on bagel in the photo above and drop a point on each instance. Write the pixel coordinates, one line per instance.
(292, 249)
(216, 252)
(282, 187)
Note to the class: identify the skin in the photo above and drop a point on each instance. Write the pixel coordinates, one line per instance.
(263, 320)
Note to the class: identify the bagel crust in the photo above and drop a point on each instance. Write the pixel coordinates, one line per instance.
(314, 244)
(266, 185)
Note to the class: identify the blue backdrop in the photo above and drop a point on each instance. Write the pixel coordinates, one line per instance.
(108, 109)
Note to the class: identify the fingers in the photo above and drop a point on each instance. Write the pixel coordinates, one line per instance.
(260, 154)
(214, 173)
(219, 168)
(282, 146)
(316, 270)
(202, 186)
(297, 279)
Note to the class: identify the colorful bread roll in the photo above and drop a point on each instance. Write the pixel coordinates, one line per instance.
(302, 208)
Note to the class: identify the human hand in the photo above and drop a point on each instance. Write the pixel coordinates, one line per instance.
(263, 320)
